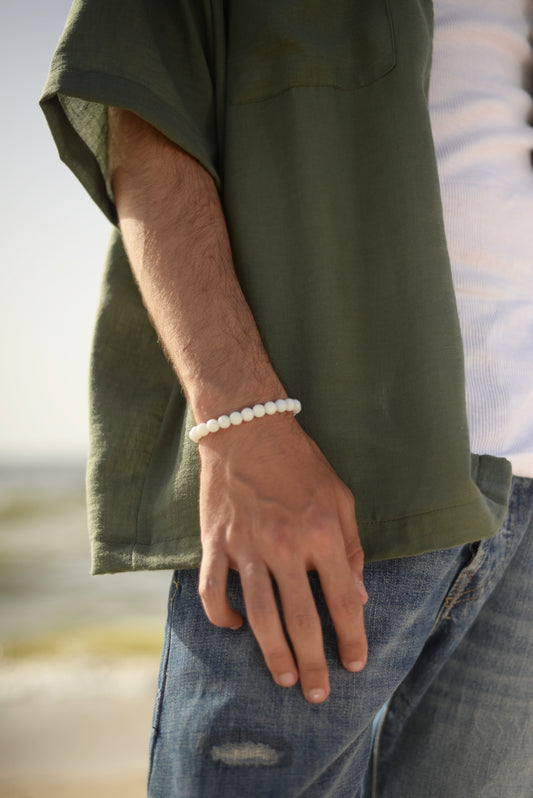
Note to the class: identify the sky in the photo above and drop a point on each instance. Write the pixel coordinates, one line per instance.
(52, 247)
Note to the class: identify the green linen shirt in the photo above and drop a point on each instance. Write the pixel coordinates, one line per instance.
(314, 124)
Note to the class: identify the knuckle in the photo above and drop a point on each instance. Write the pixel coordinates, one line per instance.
(345, 604)
(259, 610)
(303, 621)
(276, 656)
(208, 588)
(280, 538)
(249, 569)
(354, 550)
(356, 642)
(321, 520)
(313, 669)
(324, 537)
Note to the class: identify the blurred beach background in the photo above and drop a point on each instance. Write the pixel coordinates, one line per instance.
(78, 654)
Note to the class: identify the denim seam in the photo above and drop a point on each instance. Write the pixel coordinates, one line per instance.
(464, 596)
(457, 589)
(161, 690)
(474, 594)
(374, 786)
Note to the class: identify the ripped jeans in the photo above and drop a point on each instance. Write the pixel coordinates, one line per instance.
(450, 667)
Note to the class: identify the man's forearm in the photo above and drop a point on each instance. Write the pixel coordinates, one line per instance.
(177, 242)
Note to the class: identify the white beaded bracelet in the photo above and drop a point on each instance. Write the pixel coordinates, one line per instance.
(246, 414)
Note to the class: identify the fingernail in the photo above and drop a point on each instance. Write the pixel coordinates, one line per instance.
(362, 591)
(316, 695)
(287, 679)
(354, 667)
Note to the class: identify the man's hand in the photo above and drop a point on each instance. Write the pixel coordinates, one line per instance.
(272, 507)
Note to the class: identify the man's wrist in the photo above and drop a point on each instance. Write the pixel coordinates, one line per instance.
(214, 398)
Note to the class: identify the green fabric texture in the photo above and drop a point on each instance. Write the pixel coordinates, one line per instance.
(316, 130)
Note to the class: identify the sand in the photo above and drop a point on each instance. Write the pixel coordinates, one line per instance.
(24, 787)
(75, 729)
(78, 655)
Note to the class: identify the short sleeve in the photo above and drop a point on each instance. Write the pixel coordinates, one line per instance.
(156, 58)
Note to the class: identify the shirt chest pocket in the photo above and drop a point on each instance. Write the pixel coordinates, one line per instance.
(276, 45)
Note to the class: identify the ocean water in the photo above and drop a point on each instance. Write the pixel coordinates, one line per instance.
(49, 603)
(79, 655)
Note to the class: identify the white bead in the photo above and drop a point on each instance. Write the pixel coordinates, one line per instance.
(202, 430)
(247, 414)
(193, 435)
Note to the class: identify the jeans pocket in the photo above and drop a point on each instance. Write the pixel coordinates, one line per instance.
(275, 45)
(465, 586)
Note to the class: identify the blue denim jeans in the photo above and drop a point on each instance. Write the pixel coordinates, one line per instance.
(449, 675)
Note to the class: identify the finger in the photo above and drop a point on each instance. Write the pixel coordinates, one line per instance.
(352, 543)
(346, 609)
(305, 632)
(263, 616)
(212, 588)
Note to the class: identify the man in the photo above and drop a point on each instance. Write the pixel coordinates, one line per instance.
(273, 174)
